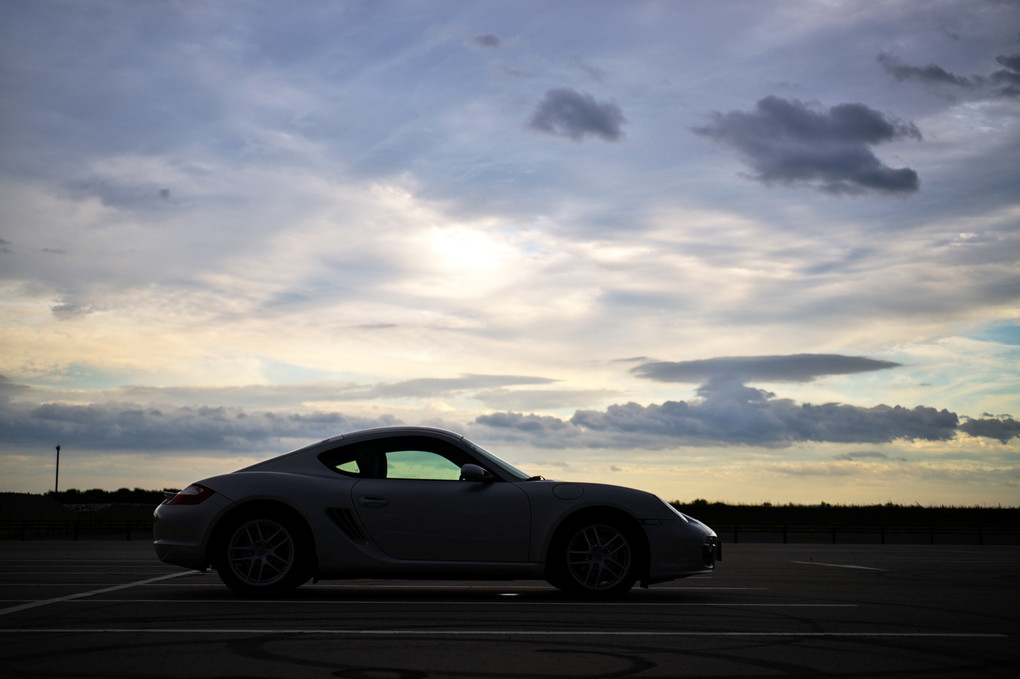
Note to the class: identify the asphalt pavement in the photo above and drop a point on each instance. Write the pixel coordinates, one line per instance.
(108, 608)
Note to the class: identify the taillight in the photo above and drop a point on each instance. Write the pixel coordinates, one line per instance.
(192, 495)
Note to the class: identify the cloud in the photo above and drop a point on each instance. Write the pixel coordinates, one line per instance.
(596, 73)
(866, 455)
(67, 310)
(567, 113)
(431, 387)
(488, 40)
(930, 74)
(276, 396)
(787, 142)
(543, 399)
(796, 368)
(1012, 62)
(148, 421)
(740, 416)
(727, 412)
(137, 428)
(1001, 428)
(8, 388)
(731, 412)
(1004, 82)
(521, 422)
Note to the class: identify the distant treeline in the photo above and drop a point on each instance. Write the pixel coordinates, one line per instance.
(712, 513)
(824, 514)
(97, 496)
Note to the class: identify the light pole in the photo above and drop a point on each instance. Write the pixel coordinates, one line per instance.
(56, 482)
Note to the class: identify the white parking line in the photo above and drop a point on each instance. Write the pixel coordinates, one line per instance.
(78, 562)
(713, 588)
(452, 584)
(63, 574)
(838, 565)
(508, 632)
(487, 603)
(58, 584)
(81, 595)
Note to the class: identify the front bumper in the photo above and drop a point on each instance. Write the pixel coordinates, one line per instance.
(680, 549)
(711, 551)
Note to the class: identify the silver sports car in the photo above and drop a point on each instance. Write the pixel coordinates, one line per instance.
(412, 502)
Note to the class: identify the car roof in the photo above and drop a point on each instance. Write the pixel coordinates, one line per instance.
(292, 461)
(398, 430)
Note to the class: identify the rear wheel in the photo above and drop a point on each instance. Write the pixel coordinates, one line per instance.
(262, 555)
(596, 558)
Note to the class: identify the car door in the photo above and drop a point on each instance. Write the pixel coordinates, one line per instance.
(417, 508)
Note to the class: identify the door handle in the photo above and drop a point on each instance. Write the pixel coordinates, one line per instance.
(372, 501)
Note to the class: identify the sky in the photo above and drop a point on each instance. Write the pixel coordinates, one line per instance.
(736, 251)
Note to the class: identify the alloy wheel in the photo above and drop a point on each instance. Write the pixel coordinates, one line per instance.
(261, 552)
(599, 557)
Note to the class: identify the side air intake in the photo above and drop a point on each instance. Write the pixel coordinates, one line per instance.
(348, 525)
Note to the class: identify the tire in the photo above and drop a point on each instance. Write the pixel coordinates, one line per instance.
(596, 558)
(262, 555)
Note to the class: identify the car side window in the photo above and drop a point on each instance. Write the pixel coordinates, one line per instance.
(357, 461)
(349, 467)
(398, 458)
(420, 464)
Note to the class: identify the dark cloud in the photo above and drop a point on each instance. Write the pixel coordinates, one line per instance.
(567, 113)
(796, 368)
(727, 412)
(787, 142)
(139, 424)
(521, 422)
(67, 310)
(867, 455)
(730, 413)
(1008, 79)
(138, 428)
(1012, 62)
(1000, 428)
(488, 40)
(930, 74)
(1001, 83)
(9, 389)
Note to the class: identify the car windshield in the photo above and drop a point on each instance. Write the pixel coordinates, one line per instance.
(492, 461)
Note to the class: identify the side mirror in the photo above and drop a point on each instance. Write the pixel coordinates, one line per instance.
(472, 472)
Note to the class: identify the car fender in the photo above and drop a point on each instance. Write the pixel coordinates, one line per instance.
(305, 496)
(552, 508)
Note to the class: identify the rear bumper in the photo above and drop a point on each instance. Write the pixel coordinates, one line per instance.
(184, 555)
(181, 532)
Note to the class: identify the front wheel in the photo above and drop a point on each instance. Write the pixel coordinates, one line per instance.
(596, 559)
(262, 555)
